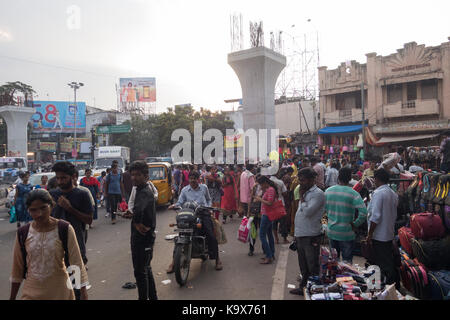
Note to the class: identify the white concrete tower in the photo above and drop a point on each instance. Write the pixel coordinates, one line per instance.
(16, 119)
(258, 70)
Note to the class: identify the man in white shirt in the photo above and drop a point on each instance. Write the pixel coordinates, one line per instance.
(381, 219)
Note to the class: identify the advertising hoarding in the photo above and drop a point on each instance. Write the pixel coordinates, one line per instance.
(59, 117)
(234, 141)
(134, 90)
(47, 146)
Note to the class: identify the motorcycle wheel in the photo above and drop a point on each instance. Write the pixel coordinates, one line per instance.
(182, 264)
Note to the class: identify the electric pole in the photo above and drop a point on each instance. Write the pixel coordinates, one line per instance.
(75, 86)
(93, 143)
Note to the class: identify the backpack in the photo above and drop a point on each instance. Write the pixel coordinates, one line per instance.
(22, 234)
(441, 191)
(433, 254)
(414, 276)
(439, 285)
(434, 178)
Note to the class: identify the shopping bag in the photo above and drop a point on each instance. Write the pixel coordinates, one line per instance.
(253, 231)
(244, 229)
(13, 217)
(123, 206)
(219, 232)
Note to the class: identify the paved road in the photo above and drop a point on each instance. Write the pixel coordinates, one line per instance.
(110, 265)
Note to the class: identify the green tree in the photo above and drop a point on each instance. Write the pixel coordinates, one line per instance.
(153, 135)
(10, 89)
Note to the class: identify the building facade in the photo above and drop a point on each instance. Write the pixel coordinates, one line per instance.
(406, 95)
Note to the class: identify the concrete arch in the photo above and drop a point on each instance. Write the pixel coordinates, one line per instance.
(17, 119)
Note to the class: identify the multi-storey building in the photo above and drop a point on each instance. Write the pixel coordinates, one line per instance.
(406, 96)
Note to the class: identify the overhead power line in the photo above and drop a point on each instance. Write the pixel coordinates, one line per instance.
(58, 67)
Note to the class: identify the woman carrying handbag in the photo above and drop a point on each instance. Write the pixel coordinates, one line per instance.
(270, 211)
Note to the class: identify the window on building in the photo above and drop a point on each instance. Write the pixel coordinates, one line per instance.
(347, 101)
(394, 93)
(429, 89)
(411, 91)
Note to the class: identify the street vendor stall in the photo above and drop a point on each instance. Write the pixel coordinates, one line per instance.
(342, 281)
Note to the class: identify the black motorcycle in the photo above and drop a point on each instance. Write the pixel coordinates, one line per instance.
(191, 240)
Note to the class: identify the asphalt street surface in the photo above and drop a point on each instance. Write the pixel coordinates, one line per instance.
(110, 266)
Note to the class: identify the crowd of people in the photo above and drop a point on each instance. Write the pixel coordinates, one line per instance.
(311, 192)
(308, 189)
(58, 216)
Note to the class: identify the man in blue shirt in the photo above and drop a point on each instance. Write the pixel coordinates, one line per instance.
(381, 219)
(114, 190)
(200, 194)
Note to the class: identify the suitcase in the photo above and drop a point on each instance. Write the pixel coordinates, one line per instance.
(439, 288)
(427, 226)
(414, 277)
(433, 254)
(405, 235)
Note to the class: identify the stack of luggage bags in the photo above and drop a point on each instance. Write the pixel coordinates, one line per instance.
(425, 239)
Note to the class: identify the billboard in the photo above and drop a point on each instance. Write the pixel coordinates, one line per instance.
(59, 117)
(47, 146)
(234, 141)
(134, 90)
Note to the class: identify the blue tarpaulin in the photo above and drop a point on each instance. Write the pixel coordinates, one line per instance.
(340, 129)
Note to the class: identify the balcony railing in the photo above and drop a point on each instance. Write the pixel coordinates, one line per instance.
(409, 104)
(343, 116)
(345, 113)
(411, 108)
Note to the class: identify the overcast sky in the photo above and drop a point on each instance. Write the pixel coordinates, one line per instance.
(184, 44)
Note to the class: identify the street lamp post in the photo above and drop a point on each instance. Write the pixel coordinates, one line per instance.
(75, 86)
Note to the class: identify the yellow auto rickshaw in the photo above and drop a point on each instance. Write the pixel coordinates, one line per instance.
(160, 174)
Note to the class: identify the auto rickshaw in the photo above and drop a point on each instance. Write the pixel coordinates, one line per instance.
(160, 174)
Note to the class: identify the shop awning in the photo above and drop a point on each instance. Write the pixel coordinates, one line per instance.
(406, 138)
(340, 129)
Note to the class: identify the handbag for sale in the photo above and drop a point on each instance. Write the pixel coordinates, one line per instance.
(276, 211)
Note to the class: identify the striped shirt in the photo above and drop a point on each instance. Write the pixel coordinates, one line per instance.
(341, 203)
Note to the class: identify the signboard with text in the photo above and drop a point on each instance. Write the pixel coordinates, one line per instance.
(59, 117)
(413, 126)
(123, 128)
